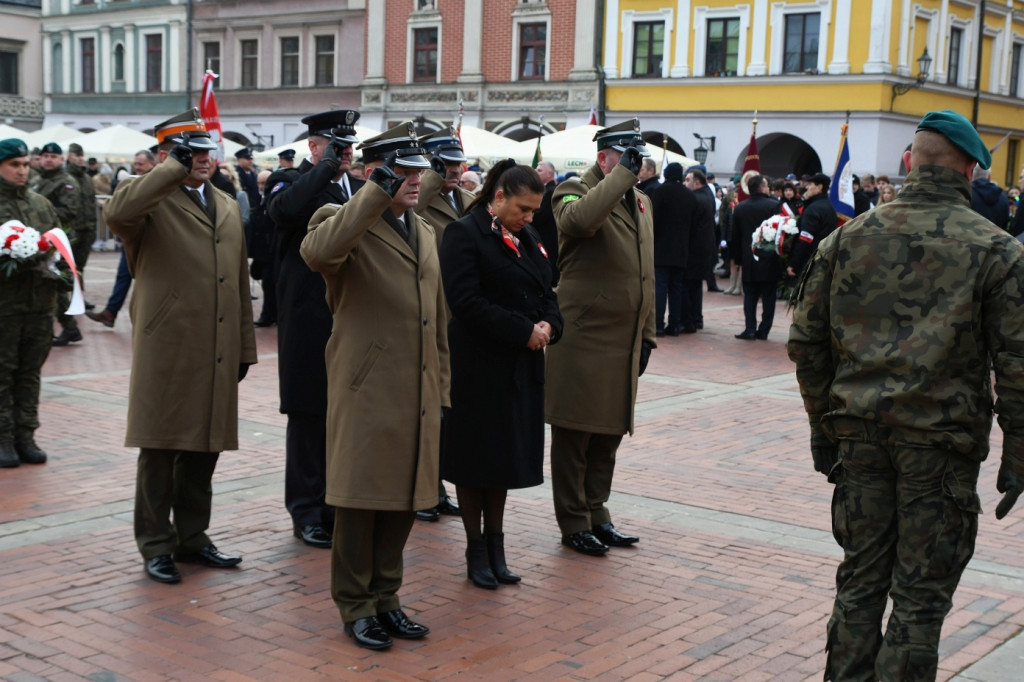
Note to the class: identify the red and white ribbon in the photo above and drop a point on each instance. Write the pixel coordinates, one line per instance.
(59, 240)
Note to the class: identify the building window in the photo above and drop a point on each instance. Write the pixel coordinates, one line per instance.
(57, 67)
(250, 62)
(324, 60)
(211, 57)
(8, 72)
(801, 50)
(424, 55)
(1015, 71)
(956, 37)
(289, 62)
(154, 63)
(723, 47)
(118, 70)
(1012, 166)
(88, 65)
(648, 49)
(533, 47)
(424, 5)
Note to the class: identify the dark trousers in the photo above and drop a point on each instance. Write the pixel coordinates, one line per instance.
(366, 560)
(305, 470)
(906, 518)
(752, 293)
(175, 481)
(268, 283)
(668, 287)
(693, 303)
(25, 341)
(582, 465)
(122, 284)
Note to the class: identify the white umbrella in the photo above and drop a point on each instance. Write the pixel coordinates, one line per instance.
(484, 146)
(573, 149)
(113, 144)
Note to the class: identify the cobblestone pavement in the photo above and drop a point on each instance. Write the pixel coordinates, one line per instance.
(732, 579)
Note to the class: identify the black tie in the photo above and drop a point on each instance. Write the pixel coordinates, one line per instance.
(451, 200)
(344, 192)
(199, 197)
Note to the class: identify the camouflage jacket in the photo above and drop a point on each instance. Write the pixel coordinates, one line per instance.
(28, 290)
(60, 188)
(901, 316)
(86, 217)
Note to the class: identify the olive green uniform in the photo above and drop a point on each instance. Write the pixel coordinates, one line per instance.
(27, 301)
(899, 320)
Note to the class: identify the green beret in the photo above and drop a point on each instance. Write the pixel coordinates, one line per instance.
(12, 147)
(958, 130)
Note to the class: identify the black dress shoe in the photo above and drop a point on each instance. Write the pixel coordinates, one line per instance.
(747, 336)
(209, 556)
(397, 624)
(447, 507)
(67, 336)
(431, 514)
(659, 333)
(314, 535)
(688, 329)
(368, 633)
(607, 534)
(162, 569)
(263, 322)
(585, 542)
(763, 336)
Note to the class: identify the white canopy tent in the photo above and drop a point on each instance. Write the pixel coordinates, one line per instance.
(60, 134)
(116, 144)
(574, 149)
(7, 131)
(483, 146)
(268, 157)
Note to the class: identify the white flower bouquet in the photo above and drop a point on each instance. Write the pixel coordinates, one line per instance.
(23, 247)
(776, 234)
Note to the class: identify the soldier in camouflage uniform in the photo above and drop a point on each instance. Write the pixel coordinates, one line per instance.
(899, 319)
(57, 185)
(81, 239)
(27, 301)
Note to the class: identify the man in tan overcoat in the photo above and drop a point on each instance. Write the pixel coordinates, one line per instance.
(192, 342)
(387, 380)
(606, 294)
(442, 201)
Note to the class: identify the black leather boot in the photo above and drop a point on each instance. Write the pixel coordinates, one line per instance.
(479, 569)
(496, 555)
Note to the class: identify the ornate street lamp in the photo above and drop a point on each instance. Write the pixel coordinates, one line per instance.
(924, 65)
(700, 154)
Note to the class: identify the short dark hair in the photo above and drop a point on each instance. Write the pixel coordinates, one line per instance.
(698, 175)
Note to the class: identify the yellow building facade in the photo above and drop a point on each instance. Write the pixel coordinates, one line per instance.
(703, 67)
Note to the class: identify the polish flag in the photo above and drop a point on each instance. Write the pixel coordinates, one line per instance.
(211, 118)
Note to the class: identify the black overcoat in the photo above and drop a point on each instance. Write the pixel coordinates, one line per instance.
(303, 319)
(747, 217)
(675, 217)
(495, 430)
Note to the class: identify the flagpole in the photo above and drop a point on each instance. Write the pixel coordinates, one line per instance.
(664, 152)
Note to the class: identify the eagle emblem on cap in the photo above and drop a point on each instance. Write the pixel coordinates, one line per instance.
(350, 117)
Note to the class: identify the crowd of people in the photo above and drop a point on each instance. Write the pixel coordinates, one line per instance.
(431, 321)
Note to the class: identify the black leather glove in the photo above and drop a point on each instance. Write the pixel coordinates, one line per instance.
(332, 155)
(243, 369)
(1010, 483)
(631, 159)
(182, 155)
(645, 355)
(384, 176)
(438, 166)
(824, 452)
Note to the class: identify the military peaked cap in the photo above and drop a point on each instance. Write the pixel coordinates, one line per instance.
(619, 136)
(402, 140)
(339, 124)
(445, 145)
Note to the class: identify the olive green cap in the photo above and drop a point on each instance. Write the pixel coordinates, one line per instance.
(958, 130)
(12, 147)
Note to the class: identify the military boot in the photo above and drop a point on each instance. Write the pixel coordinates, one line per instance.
(70, 335)
(27, 450)
(8, 455)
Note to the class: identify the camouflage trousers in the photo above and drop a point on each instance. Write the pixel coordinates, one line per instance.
(80, 249)
(25, 341)
(906, 518)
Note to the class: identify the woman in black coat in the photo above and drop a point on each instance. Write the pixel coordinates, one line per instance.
(497, 280)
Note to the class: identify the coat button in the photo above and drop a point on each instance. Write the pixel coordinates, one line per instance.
(425, 321)
(221, 278)
(218, 358)
(217, 240)
(220, 319)
(423, 413)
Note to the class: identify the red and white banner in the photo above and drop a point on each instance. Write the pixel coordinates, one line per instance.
(59, 240)
(211, 118)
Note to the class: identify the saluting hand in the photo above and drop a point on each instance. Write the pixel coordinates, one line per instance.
(183, 155)
(384, 176)
(437, 165)
(631, 158)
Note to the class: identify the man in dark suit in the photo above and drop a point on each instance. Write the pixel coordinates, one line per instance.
(544, 218)
(247, 176)
(675, 215)
(701, 252)
(303, 319)
(761, 272)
